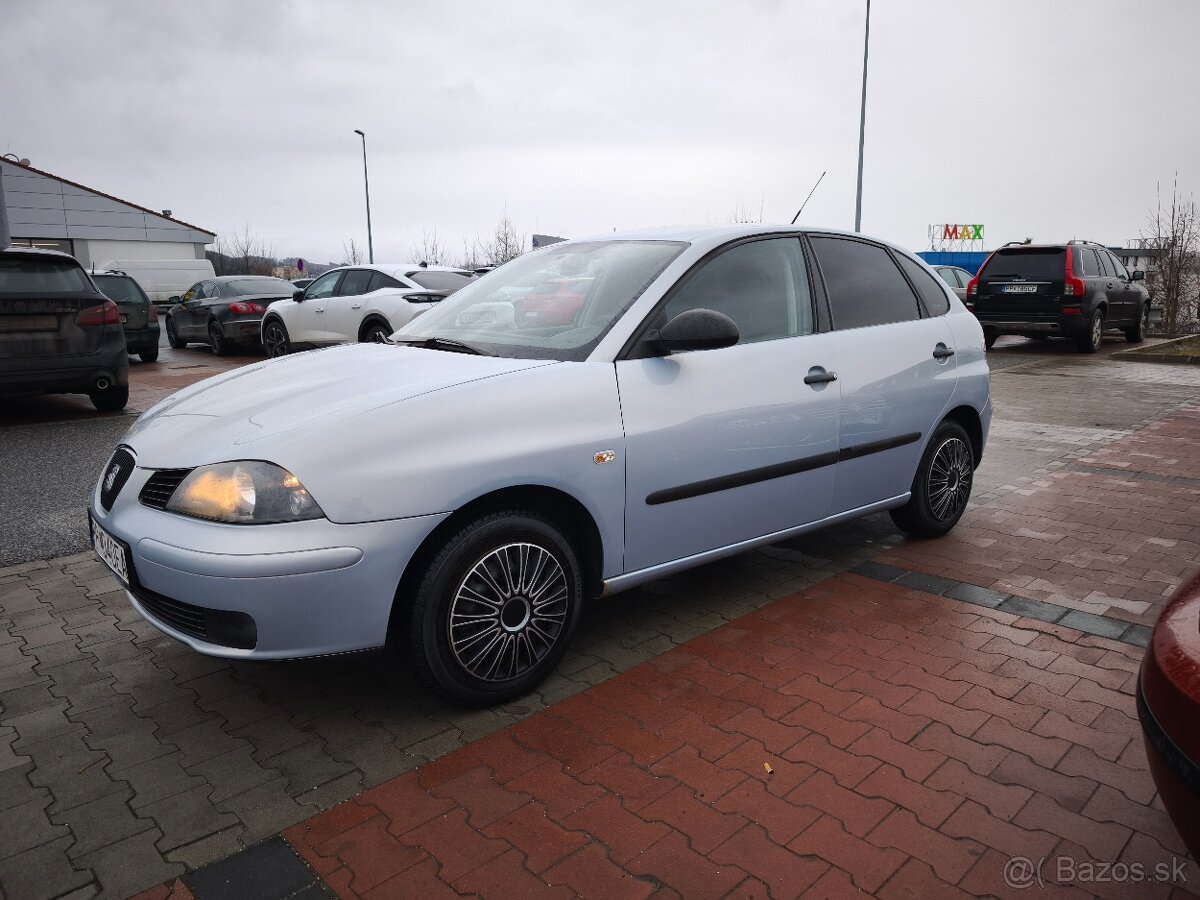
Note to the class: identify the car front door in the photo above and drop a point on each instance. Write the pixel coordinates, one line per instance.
(723, 446)
(894, 361)
(344, 310)
(182, 317)
(310, 325)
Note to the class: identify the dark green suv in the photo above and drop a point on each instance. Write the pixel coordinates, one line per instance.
(1077, 290)
(139, 318)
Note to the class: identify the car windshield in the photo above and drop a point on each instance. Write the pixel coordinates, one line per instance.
(554, 303)
(41, 276)
(120, 288)
(247, 287)
(441, 281)
(1034, 262)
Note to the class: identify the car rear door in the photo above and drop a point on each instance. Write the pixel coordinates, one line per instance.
(41, 300)
(724, 446)
(894, 362)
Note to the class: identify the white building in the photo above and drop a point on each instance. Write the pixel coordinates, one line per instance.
(45, 210)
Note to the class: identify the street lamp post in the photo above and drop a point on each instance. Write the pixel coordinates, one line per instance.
(367, 189)
(862, 123)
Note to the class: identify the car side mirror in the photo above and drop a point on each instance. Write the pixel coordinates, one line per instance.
(174, 299)
(298, 294)
(1138, 275)
(695, 329)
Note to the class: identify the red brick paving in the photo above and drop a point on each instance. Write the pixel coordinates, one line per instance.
(753, 761)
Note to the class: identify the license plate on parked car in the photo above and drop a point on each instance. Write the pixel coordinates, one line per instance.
(1020, 288)
(112, 552)
(28, 323)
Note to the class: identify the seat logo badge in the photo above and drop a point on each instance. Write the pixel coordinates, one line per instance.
(111, 477)
(604, 456)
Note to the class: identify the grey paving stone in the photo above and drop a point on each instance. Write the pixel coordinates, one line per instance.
(1032, 609)
(16, 676)
(930, 584)
(156, 779)
(84, 697)
(81, 670)
(209, 849)
(62, 651)
(131, 865)
(203, 741)
(186, 818)
(137, 745)
(879, 571)
(1092, 624)
(980, 596)
(271, 735)
(71, 770)
(267, 871)
(41, 723)
(1138, 635)
(232, 773)
(266, 809)
(308, 765)
(16, 789)
(99, 823)
(42, 872)
(25, 826)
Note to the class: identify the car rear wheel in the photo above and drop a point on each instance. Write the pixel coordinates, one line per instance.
(1137, 333)
(111, 399)
(495, 609)
(275, 339)
(942, 486)
(376, 333)
(148, 356)
(216, 339)
(173, 338)
(1089, 341)
(989, 338)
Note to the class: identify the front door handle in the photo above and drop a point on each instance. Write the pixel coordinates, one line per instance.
(318, 310)
(356, 306)
(941, 351)
(817, 375)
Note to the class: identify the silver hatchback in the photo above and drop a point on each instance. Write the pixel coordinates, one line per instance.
(588, 417)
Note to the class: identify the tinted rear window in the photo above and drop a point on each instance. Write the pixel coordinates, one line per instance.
(250, 286)
(440, 281)
(1034, 262)
(120, 288)
(865, 287)
(42, 276)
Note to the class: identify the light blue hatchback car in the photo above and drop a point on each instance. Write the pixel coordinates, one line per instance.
(585, 418)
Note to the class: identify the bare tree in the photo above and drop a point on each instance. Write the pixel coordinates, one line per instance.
(352, 255)
(504, 243)
(432, 249)
(742, 215)
(241, 253)
(470, 258)
(1175, 236)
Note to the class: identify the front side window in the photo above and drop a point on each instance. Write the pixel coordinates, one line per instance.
(932, 294)
(1118, 267)
(761, 285)
(191, 293)
(355, 282)
(865, 287)
(553, 303)
(323, 286)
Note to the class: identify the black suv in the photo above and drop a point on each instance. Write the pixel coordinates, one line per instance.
(139, 317)
(58, 333)
(1076, 290)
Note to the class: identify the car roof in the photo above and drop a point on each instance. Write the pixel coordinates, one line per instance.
(222, 279)
(706, 237)
(399, 268)
(39, 252)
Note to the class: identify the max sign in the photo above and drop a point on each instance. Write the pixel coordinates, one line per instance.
(961, 232)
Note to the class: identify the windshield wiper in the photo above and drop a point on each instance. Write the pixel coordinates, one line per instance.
(438, 343)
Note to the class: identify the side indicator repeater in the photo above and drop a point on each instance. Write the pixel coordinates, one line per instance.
(604, 456)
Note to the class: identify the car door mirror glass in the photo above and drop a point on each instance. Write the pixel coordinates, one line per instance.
(1138, 275)
(696, 329)
(174, 299)
(298, 294)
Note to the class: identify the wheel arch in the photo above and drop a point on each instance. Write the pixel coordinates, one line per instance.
(968, 418)
(564, 510)
(370, 319)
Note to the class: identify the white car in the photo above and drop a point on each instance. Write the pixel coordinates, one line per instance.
(357, 303)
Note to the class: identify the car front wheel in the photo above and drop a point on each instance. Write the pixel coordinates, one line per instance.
(942, 486)
(495, 609)
(275, 339)
(1137, 333)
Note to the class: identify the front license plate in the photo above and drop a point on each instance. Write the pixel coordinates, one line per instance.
(112, 552)
(1020, 288)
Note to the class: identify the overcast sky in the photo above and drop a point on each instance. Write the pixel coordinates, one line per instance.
(1044, 119)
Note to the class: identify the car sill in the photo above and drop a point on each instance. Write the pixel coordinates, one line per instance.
(641, 576)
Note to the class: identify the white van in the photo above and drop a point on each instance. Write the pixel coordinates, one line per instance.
(162, 279)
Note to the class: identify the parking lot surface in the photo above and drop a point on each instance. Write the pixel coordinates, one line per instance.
(927, 709)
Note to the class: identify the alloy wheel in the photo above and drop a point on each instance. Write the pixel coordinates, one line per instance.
(276, 340)
(1097, 330)
(950, 475)
(508, 612)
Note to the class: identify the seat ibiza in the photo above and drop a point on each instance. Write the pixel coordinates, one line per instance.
(458, 492)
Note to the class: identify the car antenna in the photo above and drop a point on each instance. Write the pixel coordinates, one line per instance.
(806, 199)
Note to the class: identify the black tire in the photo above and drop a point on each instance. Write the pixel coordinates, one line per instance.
(217, 340)
(480, 672)
(376, 332)
(111, 399)
(949, 451)
(275, 339)
(148, 356)
(176, 342)
(1137, 333)
(1090, 340)
(989, 339)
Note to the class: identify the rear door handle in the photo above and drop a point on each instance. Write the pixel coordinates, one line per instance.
(941, 351)
(817, 375)
(356, 306)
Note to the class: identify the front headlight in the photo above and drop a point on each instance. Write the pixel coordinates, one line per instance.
(247, 492)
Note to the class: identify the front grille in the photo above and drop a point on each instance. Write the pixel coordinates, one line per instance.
(116, 473)
(179, 615)
(162, 484)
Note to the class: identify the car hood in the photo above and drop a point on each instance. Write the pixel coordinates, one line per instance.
(258, 411)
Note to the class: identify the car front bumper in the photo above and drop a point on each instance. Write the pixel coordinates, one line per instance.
(261, 591)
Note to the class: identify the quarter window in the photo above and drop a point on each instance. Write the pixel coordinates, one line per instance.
(762, 286)
(380, 281)
(1091, 264)
(865, 287)
(355, 282)
(932, 294)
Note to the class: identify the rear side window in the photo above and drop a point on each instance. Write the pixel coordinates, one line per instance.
(355, 282)
(42, 276)
(865, 287)
(440, 281)
(930, 291)
(1031, 262)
